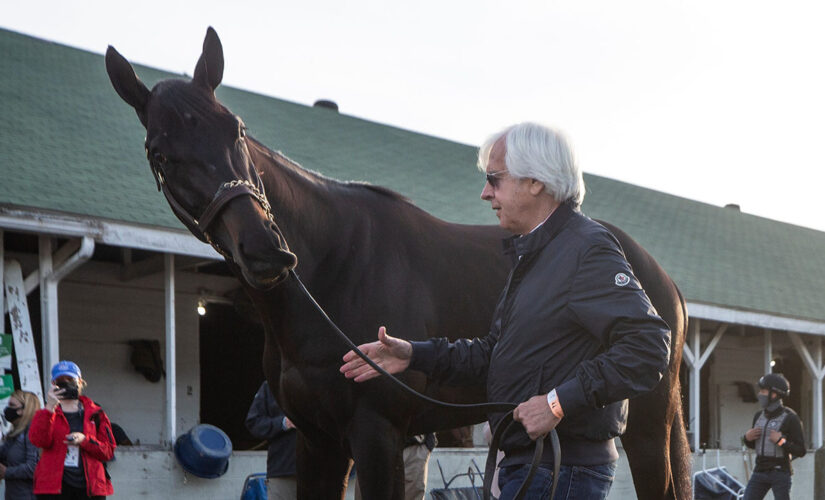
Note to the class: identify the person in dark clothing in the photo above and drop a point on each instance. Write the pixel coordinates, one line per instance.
(18, 456)
(266, 420)
(573, 335)
(776, 435)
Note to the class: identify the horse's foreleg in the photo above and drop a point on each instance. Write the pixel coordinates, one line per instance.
(377, 447)
(322, 468)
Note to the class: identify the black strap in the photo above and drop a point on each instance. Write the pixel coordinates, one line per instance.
(492, 455)
(221, 198)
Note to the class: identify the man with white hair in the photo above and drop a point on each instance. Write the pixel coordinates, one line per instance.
(573, 335)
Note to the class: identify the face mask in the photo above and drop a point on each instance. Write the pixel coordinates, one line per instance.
(71, 391)
(10, 414)
(766, 403)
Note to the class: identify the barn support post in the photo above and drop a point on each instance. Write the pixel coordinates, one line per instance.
(695, 359)
(171, 396)
(50, 275)
(768, 352)
(48, 311)
(817, 372)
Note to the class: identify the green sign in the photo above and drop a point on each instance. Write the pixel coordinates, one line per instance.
(6, 386)
(5, 351)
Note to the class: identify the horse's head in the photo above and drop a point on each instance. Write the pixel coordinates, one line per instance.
(198, 153)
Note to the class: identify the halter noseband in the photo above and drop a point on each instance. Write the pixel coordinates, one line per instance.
(225, 193)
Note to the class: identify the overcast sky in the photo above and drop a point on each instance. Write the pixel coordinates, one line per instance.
(714, 100)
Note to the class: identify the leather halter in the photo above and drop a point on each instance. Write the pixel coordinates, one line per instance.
(225, 193)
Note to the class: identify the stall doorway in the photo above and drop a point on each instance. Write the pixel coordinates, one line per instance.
(231, 371)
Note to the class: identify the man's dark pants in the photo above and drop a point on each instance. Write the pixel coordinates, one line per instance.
(777, 480)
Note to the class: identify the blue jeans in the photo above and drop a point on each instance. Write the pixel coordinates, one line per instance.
(777, 480)
(575, 481)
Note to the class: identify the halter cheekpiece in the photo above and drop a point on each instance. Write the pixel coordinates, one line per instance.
(225, 193)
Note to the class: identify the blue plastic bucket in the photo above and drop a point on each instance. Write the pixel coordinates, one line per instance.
(204, 451)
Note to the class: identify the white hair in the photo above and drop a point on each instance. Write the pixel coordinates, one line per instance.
(538, 152)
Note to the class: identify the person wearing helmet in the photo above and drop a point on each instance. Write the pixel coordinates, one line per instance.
(776, 435)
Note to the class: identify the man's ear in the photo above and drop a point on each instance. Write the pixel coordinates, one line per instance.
(536, 187)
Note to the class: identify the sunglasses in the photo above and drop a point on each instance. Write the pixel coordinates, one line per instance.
(493, 178)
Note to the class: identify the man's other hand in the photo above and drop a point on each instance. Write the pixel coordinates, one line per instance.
(536, 417)
(390, 353)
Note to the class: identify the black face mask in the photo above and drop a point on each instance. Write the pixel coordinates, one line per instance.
(10, 414)
(70, 390)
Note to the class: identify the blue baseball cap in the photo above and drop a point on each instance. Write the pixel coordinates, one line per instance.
(65, 368)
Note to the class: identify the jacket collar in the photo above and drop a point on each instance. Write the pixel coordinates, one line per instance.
(517, 246)
(89, 406)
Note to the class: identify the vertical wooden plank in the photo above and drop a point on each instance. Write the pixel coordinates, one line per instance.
(21, 329)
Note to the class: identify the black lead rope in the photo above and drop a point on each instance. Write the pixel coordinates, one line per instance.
(500, 429)
(492, 456)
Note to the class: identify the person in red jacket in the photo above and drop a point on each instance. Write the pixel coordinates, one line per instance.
(76, 439)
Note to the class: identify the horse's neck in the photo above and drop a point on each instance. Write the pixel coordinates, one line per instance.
(301, 204)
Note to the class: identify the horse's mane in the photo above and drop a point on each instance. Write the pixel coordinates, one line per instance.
(314, 176)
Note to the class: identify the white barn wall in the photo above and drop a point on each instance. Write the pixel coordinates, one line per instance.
(736, 358)
(99, 314)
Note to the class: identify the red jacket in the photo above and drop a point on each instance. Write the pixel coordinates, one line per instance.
(48, 431)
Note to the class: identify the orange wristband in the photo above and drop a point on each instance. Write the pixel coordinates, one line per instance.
(555, 406)
(781, 442)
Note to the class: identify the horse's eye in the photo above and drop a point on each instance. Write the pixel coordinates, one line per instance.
(243, 132)
(191, 120)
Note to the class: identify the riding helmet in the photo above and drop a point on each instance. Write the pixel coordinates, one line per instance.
(775, 382)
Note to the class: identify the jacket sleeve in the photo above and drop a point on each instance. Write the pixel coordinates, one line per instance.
(751, 444)
(609, 303)
(265, 419)
(40, 431)
(463, 362)
(24, 470)
(794, 439)
(102, 445)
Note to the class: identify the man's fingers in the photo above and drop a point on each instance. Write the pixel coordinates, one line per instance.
(371, 374)
(361, 370)
(351, 365)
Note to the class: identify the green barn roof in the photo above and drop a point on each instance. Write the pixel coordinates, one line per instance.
(68, 144)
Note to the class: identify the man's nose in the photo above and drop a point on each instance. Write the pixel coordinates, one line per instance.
(487, 192)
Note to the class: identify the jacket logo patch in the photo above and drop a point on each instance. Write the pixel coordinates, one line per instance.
(622, 279)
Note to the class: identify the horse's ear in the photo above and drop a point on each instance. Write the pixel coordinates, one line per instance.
(209, 70)
(126, 83)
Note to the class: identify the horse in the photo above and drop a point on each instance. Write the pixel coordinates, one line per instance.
(370, 257)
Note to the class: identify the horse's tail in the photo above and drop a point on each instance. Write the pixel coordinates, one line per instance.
(680, 456)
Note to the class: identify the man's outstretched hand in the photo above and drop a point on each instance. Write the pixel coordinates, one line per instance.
(390, 353)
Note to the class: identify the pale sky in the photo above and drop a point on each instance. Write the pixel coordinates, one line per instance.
(714, 100)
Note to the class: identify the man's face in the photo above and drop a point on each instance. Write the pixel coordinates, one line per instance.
(509, 197)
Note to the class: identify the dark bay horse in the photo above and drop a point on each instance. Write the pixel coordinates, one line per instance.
(370, 258)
